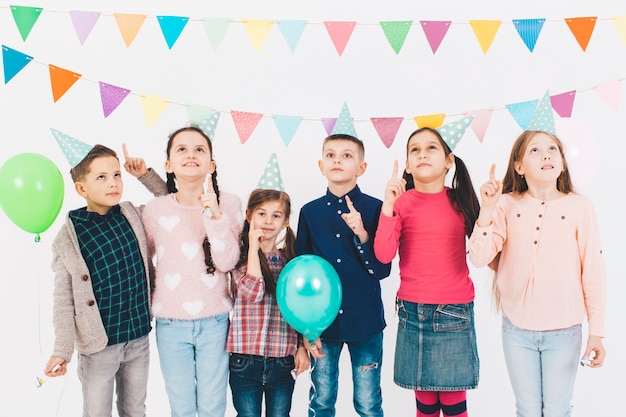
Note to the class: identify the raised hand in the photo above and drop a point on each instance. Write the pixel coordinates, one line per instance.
(394, 188)
(354, 221)
(491, 190)
(134, 166)
(208, 199)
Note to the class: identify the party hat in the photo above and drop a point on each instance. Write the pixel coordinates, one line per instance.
(543, 119)
(453, 132)
(209, 124)
(344, 123)
(271, 180)
(73, 149)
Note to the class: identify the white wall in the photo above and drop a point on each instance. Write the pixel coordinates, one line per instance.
(312, 82)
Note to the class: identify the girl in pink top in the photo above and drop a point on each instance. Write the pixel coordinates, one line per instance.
(428, 224)
(543, 243)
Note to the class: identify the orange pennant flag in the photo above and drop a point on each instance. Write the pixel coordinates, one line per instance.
(485, 31)
(582, 28)
(129, 25)
(430, 120)
(61, 81)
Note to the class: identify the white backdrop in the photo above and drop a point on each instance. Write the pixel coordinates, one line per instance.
(313, 82)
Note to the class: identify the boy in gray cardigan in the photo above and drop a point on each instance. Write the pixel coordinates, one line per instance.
(102, 289)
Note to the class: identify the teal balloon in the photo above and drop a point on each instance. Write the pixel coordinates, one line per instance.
(308, 292)
(31, 191)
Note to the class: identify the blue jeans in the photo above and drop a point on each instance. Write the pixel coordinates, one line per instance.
(366, 358)
(194, 364)
(542, 368)
(124, 365)
(253, 376)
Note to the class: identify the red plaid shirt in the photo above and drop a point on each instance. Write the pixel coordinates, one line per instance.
(257, 327)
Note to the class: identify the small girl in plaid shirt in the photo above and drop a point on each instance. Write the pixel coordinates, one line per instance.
(264, 348)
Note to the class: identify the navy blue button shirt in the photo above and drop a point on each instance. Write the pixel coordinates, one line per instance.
(322, 232)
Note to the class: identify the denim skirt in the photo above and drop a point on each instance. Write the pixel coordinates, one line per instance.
(436, 347)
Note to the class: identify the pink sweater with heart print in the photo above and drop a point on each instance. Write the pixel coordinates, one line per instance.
(183, 289)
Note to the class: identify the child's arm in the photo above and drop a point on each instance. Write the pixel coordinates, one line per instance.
(147, 176)
(490, 193)
(394, 188)
(224, 233)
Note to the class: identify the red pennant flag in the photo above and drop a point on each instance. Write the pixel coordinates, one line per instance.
(582, 28)
(340, 33)
(245, 123)
(387, 128)
(61, 80)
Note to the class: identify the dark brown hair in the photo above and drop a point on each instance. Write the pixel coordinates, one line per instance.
(98, 151)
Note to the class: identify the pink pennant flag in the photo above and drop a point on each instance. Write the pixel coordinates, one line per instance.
(563, 103)
(245, 123)
(480, 123)
(83, 21)
(340, 33)
(111, 97)
(387, 128)
(329, 124)
(609, 91)
(435, 31)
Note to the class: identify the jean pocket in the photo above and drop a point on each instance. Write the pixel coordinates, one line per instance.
(239, 363)
(286, 362)
(164, 322)
(451, 317)
(403, 315)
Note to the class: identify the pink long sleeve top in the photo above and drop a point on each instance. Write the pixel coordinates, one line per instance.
(551, 270)
(183, 289)
(429, 236)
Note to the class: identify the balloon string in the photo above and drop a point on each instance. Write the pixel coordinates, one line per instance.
(313, 390)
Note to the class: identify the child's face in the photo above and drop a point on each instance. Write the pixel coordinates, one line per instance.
(426, 158)
(102, 186)
(269, 217)
(541, 160)
(342, 162)
(189, 156)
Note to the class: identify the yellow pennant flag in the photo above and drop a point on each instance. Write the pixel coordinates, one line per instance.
(153, 107)
(257, 31)
(129, 25)
(430, 120)
(485, 31)
(620, 25)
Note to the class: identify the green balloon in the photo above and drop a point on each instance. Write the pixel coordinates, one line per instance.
(308, 293)
(31, 191)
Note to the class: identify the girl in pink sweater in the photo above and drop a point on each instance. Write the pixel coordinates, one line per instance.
(193, 234)
(542, 240)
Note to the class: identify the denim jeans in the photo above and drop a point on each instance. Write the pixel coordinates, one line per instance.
(194, 364)
(252, 377)
(124, 365)
(542, 368)
(366, 357)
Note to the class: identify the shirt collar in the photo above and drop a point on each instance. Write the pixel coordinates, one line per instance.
(82, 215)
(331, 198)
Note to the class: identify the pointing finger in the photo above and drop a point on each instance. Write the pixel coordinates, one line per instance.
(492, 172)
(126, 156)
(350, 205)
(394, 173)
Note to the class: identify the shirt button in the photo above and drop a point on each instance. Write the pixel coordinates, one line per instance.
(541, 215)
(91, 303)
(340, 311)
(535, 242)
(537, 227)
(562, 217)
(367, 262)
(328, 203)
(338, 261)
(85, 277)
(340, 200)
(338, 235)
(484, 233)
(338, 211)
(370, 271)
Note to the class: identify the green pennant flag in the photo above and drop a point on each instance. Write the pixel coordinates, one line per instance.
(25, 18)
(396, 32)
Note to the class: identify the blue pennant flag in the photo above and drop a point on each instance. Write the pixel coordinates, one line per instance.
(523, 112)
(13, 62)
(292, 31)
(287, 126)
(529, 30)
(172, 26)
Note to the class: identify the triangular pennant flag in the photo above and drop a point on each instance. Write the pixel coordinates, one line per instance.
(61, 80)
(529, 30)
(209, 124)
(129, 25)
(340, 33)
(582, 28)
(245, 123)
(453, 132)
(387, 128)
(430, 120)
(25, 18)
(292, 31)
(196, 112)
(396, 32)
(609, 91)
(73, 149)
(435, 31)
(153, 107)
(522, 112)
(13, 62)
(287, 126)
(481, 121)
(344, 124)
(620, 24)
(257, 31)
(329, 124)
(83, 22)
(215, 29)
(543, 119)
(271, 179)
(111, 97)
(485, 32)
(563, 103)
(171, 27)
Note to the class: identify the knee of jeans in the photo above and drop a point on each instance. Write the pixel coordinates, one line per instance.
(369, 367)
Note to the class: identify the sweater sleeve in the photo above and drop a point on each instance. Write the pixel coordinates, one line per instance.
(387, 239)
(63, 308)
(486, 242)
(154, 183)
